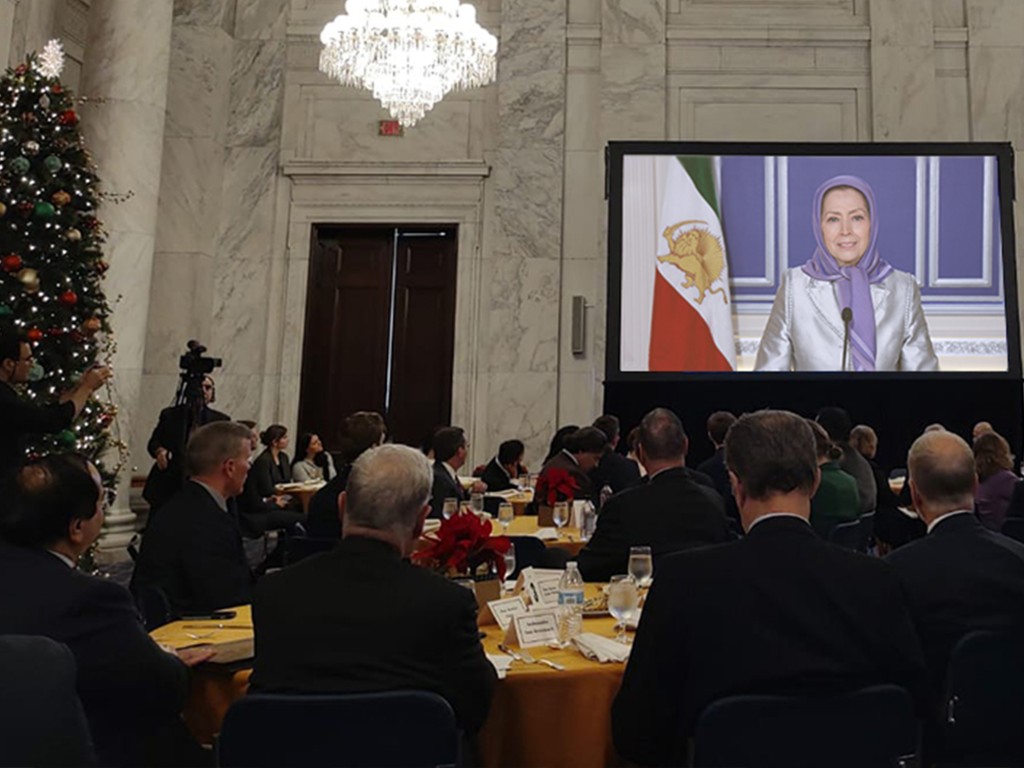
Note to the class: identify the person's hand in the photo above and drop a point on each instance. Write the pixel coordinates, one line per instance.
(194, 656)
(96, 377)
(162, 457)
(479, 487)
(280, 501)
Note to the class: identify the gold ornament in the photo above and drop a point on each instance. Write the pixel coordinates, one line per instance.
(91, 326)
(29, 279)
(3, 210)
(73, 235)
(61, 198)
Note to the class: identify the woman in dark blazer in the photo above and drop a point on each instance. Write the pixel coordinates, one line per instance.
(272, 467)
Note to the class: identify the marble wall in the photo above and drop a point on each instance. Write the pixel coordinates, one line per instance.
(259, 146)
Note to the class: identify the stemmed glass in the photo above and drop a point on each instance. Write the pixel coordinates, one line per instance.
(510, 562)
(560, 515)
(623, 602)
(451, 506)
(641, 566)
(505, 515)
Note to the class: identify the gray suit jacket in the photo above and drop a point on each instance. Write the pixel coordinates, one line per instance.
(805, 328)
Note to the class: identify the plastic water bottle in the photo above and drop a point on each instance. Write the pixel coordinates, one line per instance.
(570, 604)
(588, 521)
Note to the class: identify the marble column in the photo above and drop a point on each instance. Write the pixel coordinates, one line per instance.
(126, 65)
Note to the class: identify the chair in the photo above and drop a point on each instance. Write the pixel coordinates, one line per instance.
(41, 718)
(153, 606)
(1014, 528)
(871, 727)
(847, 535)
(371, 730)
(984, 700)
(298, 548)
(530, 553)
(867, 532)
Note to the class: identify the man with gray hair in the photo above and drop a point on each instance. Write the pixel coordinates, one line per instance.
(192, 549)
(960, 576)
(362, 618)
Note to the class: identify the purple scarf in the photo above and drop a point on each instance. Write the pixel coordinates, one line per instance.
(854, 283)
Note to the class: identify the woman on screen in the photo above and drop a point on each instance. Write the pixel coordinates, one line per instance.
(846, 309)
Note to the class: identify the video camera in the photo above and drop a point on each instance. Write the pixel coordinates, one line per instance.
(193, 364)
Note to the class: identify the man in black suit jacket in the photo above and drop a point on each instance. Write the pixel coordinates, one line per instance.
(780, 611)
(193, 549)
(131, 689)
(503, 468)
(167, 447)
(397, 626)
(669, 513)
(960, 576)
(450, 450)
(566, 475)
(613, 470)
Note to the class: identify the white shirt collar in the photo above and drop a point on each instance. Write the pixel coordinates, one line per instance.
(221, 502)
(775, 514)
(64, 559)
(940, 518)
(451, 471)
(571, 457)
(502, 468)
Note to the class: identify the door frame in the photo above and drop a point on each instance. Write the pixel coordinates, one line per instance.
(409, 194)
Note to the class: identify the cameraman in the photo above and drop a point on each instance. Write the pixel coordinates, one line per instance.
(20, 418)
(167, 445)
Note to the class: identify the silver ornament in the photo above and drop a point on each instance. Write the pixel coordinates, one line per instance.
(31, 147)
(44, 101)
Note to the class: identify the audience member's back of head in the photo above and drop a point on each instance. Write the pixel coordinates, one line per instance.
(992, 455)
(558, 441)
(942, 469)
(662, 436)
(772, 452)
(864, 440)
(718, 426)
(363, 431)
(824, 447)
(586, 440)
(609, 425)
(388, 488)
(447, 442)
(273, 433)
(42, 498)
(511, 451)
(213, 444)
(836, 422)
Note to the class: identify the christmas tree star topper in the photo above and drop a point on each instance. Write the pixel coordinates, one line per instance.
(51, 60)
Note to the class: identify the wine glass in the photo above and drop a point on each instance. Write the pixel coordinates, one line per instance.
(451, 506)
(510, 562)
(505, 515)
(623, 601)
(560, 515)
(641, 566)
(476, 503)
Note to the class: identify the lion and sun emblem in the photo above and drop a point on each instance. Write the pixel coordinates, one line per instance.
(698, 254)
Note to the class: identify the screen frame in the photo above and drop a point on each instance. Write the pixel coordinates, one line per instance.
(615, 154)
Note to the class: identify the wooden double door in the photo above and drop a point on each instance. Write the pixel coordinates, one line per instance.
(380, 329)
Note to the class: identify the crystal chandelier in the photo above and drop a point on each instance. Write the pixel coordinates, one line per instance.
(409, 53)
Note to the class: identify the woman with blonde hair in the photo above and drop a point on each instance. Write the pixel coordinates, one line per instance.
(996, 479)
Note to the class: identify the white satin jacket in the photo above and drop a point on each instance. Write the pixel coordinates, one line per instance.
(805, 328)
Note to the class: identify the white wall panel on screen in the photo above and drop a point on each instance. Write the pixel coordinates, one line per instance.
(642, 188)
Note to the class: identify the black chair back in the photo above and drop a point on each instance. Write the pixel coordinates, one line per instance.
(867, 532)
(370, 730)
(1014, 528)
(984, 700)
(530, 553)
(41, 718)
(871, 727)
(847, 535)
(297, 548)
(153, 606)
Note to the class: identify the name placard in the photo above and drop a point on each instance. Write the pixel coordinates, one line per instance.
(528, 630)
(504, 611)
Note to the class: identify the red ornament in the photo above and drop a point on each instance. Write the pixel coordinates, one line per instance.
(69, 298)
(34, 335)
(11, 262)
(55, 332)
(90, 222)
(101, 267)
(21, 69)
(68, 117)
(29, 118)
(56, 88)
(77, 337)
(106, 420)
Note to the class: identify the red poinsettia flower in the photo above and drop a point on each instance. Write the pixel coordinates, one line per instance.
(462, 544)
(556, 485)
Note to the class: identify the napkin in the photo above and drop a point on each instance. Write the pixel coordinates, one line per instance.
(602, 649)
(546, 534)
(429, 526)
(501, 663)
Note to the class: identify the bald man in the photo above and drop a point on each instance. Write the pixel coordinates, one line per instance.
(960, 576)
(980, 429)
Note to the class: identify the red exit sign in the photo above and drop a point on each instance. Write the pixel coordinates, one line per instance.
(389, 128)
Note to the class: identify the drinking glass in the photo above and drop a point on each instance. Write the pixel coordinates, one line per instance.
(560, 514)
(476, 502)
(506, 514)
(641, 565)
(510, 562)
(623, 601)
(451, 506)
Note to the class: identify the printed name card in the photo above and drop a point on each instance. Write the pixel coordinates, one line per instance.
(529, 630)
(503, 611)
(541, 585)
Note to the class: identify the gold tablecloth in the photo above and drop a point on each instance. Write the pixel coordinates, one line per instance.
(539, 716)
(568, 538)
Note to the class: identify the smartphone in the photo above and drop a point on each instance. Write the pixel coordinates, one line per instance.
(213, 615)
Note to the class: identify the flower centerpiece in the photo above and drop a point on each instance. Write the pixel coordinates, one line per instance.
(556, 485)
(463, 546)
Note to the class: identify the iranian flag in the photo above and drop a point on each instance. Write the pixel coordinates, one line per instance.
(691, 317)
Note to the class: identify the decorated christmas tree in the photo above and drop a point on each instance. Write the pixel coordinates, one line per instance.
(51, 258)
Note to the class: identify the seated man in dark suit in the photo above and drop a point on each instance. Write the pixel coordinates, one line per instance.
(613, 470)
(566, 475)
(167, 447)
(363, 430)
(780, 611)
(450, 451)
(669, 513)
(504, 468)
(131, 689)
(718, 424)
(193, 549)
(397, 626)
(960, 576)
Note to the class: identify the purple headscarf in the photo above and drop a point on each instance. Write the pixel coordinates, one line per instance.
(854, 282)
